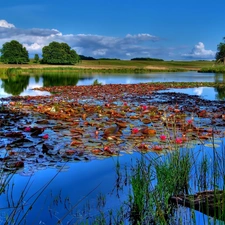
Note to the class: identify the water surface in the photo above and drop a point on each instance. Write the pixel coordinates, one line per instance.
(79, 179)
(23, 85)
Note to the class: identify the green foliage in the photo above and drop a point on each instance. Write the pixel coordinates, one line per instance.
(140, 199)
(13, 71)
(220, 55)
(59, 54)
(3, 72)
(36, 58)
(213, 69)
(96, 82)
(83, 57)
(14, 53)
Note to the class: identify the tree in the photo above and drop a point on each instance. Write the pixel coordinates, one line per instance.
(220, 55)
(59, 53)
(36, 58)
(14, 52)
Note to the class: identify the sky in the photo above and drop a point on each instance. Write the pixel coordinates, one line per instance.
(123, 29)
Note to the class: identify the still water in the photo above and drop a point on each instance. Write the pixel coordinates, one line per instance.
(23, 85)
(70, 189)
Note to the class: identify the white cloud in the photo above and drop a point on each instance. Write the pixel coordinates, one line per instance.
(100, 52)
(199, 52)
(33, 47)
(198, 91)
(142, 37)
(129, 46)
(4, 23)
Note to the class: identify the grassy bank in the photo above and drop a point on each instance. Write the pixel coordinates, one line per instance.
(213, 69)
(117, 66)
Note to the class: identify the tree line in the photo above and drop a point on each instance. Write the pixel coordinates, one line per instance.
(55, 53)
(147, 59)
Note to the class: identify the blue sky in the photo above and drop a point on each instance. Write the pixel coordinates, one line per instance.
(171, 30)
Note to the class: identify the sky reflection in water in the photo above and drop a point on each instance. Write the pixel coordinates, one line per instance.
(204, 92)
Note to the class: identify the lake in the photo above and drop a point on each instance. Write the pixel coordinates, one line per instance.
(23, 85)
(76, 187)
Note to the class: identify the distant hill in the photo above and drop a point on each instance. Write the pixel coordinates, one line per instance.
(147, 59)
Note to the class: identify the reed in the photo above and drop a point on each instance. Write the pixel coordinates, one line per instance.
(156, 183)
(213, 69)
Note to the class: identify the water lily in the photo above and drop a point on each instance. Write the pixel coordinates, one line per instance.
(190, 121)
(27, 129)
(163, 137)
(135, 130)
(45, 136)
(125, 103)
(144, 107)
(143, 146)
(178, 140)
(157, 148)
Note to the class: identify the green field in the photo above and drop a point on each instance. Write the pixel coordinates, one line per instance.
(123, 66)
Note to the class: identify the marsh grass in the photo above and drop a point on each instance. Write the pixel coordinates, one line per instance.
(96, 82)
(17, 210)
(77, 70)
(213, 69)
(155, 180)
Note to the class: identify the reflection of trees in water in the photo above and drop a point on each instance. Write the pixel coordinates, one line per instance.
(37, 79)
(220, 93)
(59, 80)
(220, 78)
(15, 85)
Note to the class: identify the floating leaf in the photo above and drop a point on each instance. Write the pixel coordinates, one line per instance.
(76, 142)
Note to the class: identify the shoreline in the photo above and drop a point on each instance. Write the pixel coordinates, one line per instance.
(119, 65)
(109, 66)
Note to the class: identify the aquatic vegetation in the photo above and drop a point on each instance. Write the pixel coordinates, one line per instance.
(96, 82)
(93, 122)
(79, 123)
(213, 69)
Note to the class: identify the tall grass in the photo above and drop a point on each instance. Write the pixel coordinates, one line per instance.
(154, 181)
(9, 72)
(213, 69)
(18, 209)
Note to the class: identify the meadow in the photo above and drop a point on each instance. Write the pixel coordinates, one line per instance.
(117, 66)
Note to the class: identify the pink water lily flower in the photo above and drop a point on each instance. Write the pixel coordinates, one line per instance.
(163, 137)
(27, 129)
(178, 141)
(45, 136)
(125, 103)
(144, 107)
(190, 121)
(135, 130)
